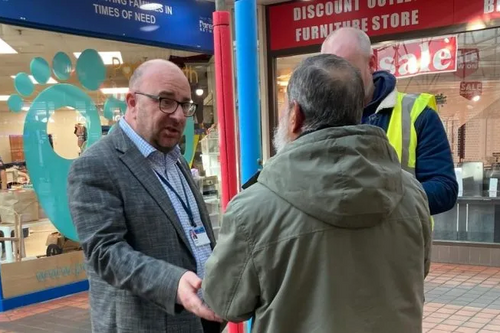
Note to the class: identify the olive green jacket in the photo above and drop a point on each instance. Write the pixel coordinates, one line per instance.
(334, 237)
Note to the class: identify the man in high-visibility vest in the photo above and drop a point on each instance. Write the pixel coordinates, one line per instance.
(411, 121)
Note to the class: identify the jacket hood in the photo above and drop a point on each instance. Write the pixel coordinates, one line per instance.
(349, 177)
(384, 83)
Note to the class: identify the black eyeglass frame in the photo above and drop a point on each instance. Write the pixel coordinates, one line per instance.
(191, 107)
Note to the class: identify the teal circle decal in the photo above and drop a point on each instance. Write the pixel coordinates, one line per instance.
(23, 84)
(15, 103)
(90, 69)
(49, 171)
(40, 70)
(61, 66)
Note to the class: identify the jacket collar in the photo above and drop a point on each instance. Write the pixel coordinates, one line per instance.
(135, 161)
(138, 166)
(389, 102)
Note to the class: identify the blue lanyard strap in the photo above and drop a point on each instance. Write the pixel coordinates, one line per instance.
(186, 205)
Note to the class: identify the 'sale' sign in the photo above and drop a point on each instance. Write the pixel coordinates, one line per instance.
(417, 57)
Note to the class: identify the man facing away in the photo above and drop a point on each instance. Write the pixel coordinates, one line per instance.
(136, 207)
(426, 152)
(334, 236)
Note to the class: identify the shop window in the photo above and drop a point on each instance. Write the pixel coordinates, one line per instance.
(469, 107)
(40, 135)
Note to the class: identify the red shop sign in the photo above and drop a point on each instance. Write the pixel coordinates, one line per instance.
(471, 90)
(468, 62)
(297, 24)
(419, 56)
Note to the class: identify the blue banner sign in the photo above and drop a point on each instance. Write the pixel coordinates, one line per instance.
(180, 24)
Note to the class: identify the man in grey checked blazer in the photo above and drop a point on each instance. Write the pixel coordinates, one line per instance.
(136, 207)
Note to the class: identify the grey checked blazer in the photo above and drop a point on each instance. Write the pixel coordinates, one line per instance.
(134, 245)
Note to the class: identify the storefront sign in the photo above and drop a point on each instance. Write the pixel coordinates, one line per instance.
(298, 24)
(468, 62)
(24, 277)
(184, 24)
(471, 90)
(420, 56)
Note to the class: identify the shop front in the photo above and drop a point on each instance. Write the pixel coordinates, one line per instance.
(63, 82)
(448, 48)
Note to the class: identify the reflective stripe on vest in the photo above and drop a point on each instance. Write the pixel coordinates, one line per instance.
(401, 131)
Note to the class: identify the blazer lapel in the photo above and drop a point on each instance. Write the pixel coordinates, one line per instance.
(202, 208)
(139, 166)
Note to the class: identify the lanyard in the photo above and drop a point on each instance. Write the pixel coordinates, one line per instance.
(186, 205)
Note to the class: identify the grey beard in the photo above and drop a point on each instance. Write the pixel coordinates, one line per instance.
(280, 139)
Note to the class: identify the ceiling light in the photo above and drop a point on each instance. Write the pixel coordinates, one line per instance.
(111, 91)
(4, 98)
(476, 25)
(199, 92)
(50, 81)
(108, 58)
(151, 6)
(6, 48)
(476, 98)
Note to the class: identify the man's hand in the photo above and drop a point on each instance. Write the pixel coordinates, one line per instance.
(189, 285)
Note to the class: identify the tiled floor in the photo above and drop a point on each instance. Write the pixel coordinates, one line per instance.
(462, 299)
(65, 315)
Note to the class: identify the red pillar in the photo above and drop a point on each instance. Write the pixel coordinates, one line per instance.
(223, 47)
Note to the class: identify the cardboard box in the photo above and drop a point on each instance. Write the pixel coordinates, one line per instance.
(22, 202)
(41, 213)
(20, 278)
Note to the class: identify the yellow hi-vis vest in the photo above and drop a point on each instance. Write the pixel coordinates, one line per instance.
(401, 131)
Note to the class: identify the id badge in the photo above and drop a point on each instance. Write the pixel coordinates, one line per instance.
(199, 236)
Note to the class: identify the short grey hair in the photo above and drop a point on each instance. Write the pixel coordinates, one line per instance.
(329, 91)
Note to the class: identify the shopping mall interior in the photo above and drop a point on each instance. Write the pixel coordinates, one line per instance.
(66, 126)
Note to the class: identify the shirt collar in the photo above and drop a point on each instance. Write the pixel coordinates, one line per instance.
(146, 149)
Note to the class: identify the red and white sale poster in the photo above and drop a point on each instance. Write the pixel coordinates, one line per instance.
(471, 90)
(467, 62)
(419, 56)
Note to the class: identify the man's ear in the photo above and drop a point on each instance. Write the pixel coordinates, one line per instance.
(131, 103)
(296, 119)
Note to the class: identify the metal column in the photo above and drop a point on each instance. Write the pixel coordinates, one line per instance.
(247, 79)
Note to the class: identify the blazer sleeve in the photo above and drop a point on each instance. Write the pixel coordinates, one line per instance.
(97, 211)
(231, 285)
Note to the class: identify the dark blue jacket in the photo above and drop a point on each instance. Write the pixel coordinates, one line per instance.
(434, 169)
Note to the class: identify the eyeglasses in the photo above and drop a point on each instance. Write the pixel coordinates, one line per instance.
(169, 106)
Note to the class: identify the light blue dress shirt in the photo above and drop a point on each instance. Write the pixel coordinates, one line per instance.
(166, 165)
